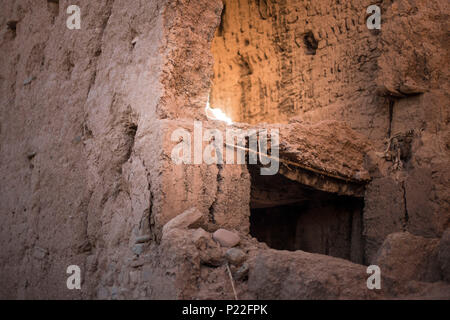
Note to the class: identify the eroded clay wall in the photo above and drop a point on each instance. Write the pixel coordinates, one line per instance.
(317, 60)
(73, 102)
(314, 59)
(86, 117)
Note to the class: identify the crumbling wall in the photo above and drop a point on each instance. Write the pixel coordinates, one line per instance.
(86, 119)
(47, 73)
(410, 186)
(317, 60)
(101, 104)
(276, 61)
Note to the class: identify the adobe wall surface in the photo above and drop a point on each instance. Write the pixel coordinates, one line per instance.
(86, 118)
(313, 59)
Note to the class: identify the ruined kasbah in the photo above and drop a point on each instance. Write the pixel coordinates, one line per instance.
(224, 150)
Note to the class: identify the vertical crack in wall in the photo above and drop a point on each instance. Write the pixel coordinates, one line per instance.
(391, 114)
(151, 219)
(220, 28)
(148, 215)
(405, 208)
(350, 233)
(214, 203)
(130, 132)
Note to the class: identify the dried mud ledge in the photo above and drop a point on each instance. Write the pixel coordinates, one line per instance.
(85, 141)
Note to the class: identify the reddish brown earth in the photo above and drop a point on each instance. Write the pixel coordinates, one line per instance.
(85, 149)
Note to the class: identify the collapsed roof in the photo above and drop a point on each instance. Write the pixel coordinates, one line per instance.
(327, 156)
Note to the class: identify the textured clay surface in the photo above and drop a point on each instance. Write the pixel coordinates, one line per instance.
(87, 179)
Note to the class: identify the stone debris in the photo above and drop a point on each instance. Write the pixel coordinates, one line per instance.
(201, 238)
(226, 238)
(101, 114)
(189, 219)
(28, 80)
(235, 256)
(143, 239)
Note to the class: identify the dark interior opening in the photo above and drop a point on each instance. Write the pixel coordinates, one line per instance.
(287, 215)
(311, 44)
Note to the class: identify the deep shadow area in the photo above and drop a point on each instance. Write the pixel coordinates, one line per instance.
(289, 216)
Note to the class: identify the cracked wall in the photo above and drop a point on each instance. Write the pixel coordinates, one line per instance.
(86, 118)
(308, 61)
(264, 70)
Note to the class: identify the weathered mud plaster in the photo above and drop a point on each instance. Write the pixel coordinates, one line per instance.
(85, 144)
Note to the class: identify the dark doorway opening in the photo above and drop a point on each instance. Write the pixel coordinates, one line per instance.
(287, 215)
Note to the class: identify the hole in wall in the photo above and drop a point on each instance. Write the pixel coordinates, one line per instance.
(311, 44)
(287, 215)
(131, 129)
(221, 26)
(12, 28)
(53, 8)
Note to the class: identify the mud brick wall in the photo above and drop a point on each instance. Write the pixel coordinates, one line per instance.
(86, 115)
(275, 60)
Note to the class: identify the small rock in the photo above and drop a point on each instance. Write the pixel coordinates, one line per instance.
(39, 253)
(138, 248)
(235, 256)
(28, 81)
(137, 263)
(143, 239)
(189, 219)
(226, 238)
